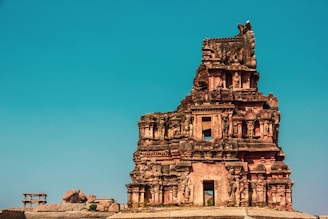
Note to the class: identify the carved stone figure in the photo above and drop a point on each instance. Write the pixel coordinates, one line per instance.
(236, 80)
(266, 130)
(186, 188)
(232, 187)
(161, 128)
(225, 125)
(201, 79)
(250, 128)
(261, 190)
(281, 197)
(242, 193)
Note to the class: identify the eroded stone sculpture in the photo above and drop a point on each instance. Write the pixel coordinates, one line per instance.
(221, 144)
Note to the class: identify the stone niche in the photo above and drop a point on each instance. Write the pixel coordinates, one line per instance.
(220, 146)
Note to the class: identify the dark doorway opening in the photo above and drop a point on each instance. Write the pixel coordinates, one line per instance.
(228, 80)
(208, 193)
(147, 195)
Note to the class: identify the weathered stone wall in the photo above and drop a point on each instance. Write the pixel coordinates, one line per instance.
(212, 213)
(60, 207)
(11, 214)
(68, 215)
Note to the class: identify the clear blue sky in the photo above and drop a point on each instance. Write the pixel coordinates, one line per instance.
(75, 77)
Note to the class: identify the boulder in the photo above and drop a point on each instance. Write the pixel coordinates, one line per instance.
(74, 196)
(91, 198)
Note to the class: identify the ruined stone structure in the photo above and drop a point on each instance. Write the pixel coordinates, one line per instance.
(34, 199)
(12, 214)
(220, 147)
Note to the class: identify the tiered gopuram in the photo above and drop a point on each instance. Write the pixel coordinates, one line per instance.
(220, 147)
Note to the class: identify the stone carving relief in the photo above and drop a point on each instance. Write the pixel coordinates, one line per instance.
(240, 50)
(236, 80)
(186, 188)
(232, 186)
(225, 124)
(164, 127)
(261, 190)
(237, 188)
(201, 79)
(242, 195)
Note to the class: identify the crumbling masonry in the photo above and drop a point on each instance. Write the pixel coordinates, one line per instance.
(220, 147)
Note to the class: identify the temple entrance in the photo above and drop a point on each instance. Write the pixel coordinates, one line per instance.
(167, 195)
(208, 193)
(147, 195)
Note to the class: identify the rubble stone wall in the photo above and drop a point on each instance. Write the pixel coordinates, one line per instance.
(9, 214)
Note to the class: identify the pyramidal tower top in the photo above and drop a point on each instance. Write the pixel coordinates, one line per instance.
(220, 146)
(228, 62)
(231, 53)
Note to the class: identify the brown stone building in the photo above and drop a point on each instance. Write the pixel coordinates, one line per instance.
(220, 147)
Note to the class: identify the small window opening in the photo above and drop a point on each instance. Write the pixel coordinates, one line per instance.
(206, 127)
(244, 129)
(257, 130)
(207, 135)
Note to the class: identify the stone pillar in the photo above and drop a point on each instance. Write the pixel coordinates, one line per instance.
(156, 194)
(141, 131)
(237, 193)
(211, 83)
(254, 194)
(289, 198)
(240, 129)
(262, 130)
(230, 125)
(215, 127)
(175, 194)
(270, 129)
(147, 132)
(160, 195)
(274, 195)
(151, 131)
(171, 194)
(142, 197)
(281, 196)
(24, 199)
(135, 197)
(129, 196)
(198, 128)
(248, 83)
(224, 81)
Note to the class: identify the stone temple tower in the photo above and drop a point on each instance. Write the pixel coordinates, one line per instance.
(220, 147)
